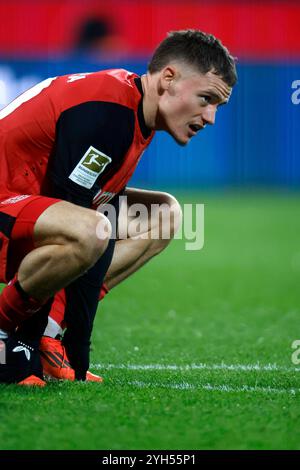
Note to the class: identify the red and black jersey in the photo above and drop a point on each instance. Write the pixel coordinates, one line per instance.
(76, 137)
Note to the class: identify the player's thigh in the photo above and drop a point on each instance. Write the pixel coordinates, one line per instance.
(65, 222)
(18, 214)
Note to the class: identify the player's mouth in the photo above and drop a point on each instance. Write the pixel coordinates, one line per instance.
(193, 129)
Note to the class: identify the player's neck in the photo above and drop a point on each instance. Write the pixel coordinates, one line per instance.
(149, 101)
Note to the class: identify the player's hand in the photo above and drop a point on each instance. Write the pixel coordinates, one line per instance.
(78, 352)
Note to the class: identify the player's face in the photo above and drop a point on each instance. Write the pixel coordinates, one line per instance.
(189, 101)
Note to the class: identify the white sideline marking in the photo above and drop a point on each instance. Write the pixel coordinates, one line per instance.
(216, 388)
(201, 366)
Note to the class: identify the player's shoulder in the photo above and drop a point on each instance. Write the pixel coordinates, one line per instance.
(119, 77)
(116, 77)
(114, 85)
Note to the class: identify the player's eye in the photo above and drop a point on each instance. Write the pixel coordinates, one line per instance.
(205, 99)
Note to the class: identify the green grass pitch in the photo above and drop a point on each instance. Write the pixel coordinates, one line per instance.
(195, 349)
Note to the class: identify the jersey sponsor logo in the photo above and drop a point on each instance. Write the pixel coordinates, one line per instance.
(92, 164)
(13, 200)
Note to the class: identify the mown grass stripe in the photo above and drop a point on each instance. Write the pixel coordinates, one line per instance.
(201, 366)
(215, 388)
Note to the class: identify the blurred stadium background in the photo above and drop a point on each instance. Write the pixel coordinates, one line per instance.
(255, 140)
(216, 325)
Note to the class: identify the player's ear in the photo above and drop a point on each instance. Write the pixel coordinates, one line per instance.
(167, 75)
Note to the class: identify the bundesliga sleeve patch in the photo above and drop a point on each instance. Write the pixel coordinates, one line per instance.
(92, 164)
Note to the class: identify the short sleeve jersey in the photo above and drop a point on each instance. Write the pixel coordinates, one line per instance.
(78, 137)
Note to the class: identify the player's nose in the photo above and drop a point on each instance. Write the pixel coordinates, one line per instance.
(209, 114)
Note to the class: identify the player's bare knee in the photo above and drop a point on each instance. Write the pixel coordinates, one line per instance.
(92, 239)
(103, 230)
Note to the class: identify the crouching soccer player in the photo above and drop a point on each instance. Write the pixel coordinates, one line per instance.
(69, 145)
(159, 217)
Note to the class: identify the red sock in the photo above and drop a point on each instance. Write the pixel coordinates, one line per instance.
(104, 290)
(16, 306)
(57, 312)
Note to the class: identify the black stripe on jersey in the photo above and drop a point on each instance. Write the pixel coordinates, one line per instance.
(6, 223)
(109, 127)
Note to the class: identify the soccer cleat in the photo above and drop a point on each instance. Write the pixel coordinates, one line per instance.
(93, 377)
(32, 381)
(55, 361)
(22, 363)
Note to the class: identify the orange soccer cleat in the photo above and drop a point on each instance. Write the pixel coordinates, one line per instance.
(33, 381)
(55, 361)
